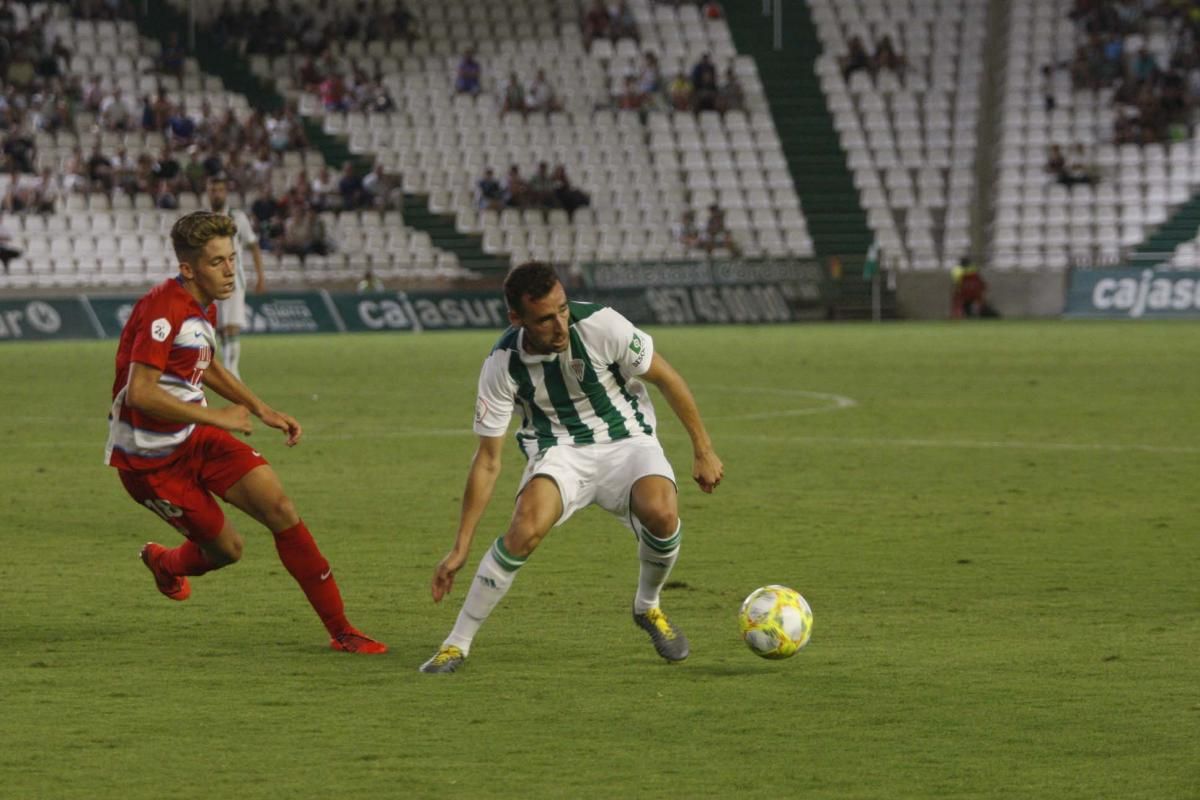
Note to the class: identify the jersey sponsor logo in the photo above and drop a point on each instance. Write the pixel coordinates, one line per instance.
(160, 329)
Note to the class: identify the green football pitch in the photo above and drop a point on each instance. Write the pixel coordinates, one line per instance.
(995, 525)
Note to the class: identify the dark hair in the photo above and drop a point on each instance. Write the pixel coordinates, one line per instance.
(191, 233)
(534, 279)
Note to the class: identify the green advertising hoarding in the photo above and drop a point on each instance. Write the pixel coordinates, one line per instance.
(47, 318)
(1133, 294)
(662, 303)
(292, 312)
(112, 313)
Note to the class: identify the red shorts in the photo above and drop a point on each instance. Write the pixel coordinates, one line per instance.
(181, 492)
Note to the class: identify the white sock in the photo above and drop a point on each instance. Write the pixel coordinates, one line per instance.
(231, 351)
(495, 574)
(657, 556)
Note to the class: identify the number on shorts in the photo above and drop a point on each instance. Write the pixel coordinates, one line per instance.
(168, 512)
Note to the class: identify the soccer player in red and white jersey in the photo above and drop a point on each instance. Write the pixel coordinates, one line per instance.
(173, 452)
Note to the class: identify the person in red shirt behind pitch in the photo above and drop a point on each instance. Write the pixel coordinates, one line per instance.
(173, 452)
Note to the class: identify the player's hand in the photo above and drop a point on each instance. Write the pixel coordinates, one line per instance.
(283, 422)
(443, 575)
(235, 419)
(707, 471)
(260, 285)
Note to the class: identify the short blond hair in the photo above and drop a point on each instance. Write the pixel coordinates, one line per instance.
(192, 232)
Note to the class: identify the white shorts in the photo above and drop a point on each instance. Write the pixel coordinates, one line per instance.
(603, 474)
(233, 310)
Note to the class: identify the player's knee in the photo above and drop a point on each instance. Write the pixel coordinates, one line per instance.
(661, 522)
(522, 538)
(281, 513)
(234, 551)
(225, 550)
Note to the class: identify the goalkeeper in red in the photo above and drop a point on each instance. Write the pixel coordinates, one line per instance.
(173, 452)
(576, 373)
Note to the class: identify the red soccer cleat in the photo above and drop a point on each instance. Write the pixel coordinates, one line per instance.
(173, 586)
(352, 640)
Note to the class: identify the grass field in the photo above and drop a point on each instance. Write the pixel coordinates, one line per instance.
(995, 525)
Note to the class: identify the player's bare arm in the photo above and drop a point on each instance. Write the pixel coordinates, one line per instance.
(481, 481)
(224, 383)
(145, 394)
(260, 283)
(707, 469)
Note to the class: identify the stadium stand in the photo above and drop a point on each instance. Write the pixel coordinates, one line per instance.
(641, 165)
(906, 108)
(1097, 86)
(607, 138)
(90, 202)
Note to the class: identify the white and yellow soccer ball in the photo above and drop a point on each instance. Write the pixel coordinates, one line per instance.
(775, 621)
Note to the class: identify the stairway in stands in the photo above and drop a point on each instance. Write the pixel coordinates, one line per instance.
(440, 228)
(1182, 226)
(835, 218)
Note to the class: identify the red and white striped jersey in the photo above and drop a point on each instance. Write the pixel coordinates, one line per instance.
(170, 331)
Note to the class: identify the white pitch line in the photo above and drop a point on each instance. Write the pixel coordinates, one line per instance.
(834, 402)
(970, 444)
(840, 441)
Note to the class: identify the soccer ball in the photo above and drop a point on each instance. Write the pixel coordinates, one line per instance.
(775, 621)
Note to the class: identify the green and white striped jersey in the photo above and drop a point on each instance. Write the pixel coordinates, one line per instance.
(585, 395)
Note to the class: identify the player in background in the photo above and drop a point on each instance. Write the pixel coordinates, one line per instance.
(231, 311)
(575, 371)
(173, 452)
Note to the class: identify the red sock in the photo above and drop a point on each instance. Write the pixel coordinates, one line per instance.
(302, 558)
(187, 559)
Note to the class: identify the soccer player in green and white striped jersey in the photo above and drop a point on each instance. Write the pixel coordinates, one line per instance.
(577, 374)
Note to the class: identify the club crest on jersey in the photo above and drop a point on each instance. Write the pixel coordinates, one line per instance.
(636, 347)
(160, 329)
(577, 368)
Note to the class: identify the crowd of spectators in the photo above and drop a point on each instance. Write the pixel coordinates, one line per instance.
(1070, 171)
(885, 57)
(643, 88)
(612, 21)
(1156, 92)
(37, 95)
(194, 147)
(279, 26)
(536, 96)
(715, 235)
(289, 221)
(545, 190)
(349, 88)
(646, 89)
